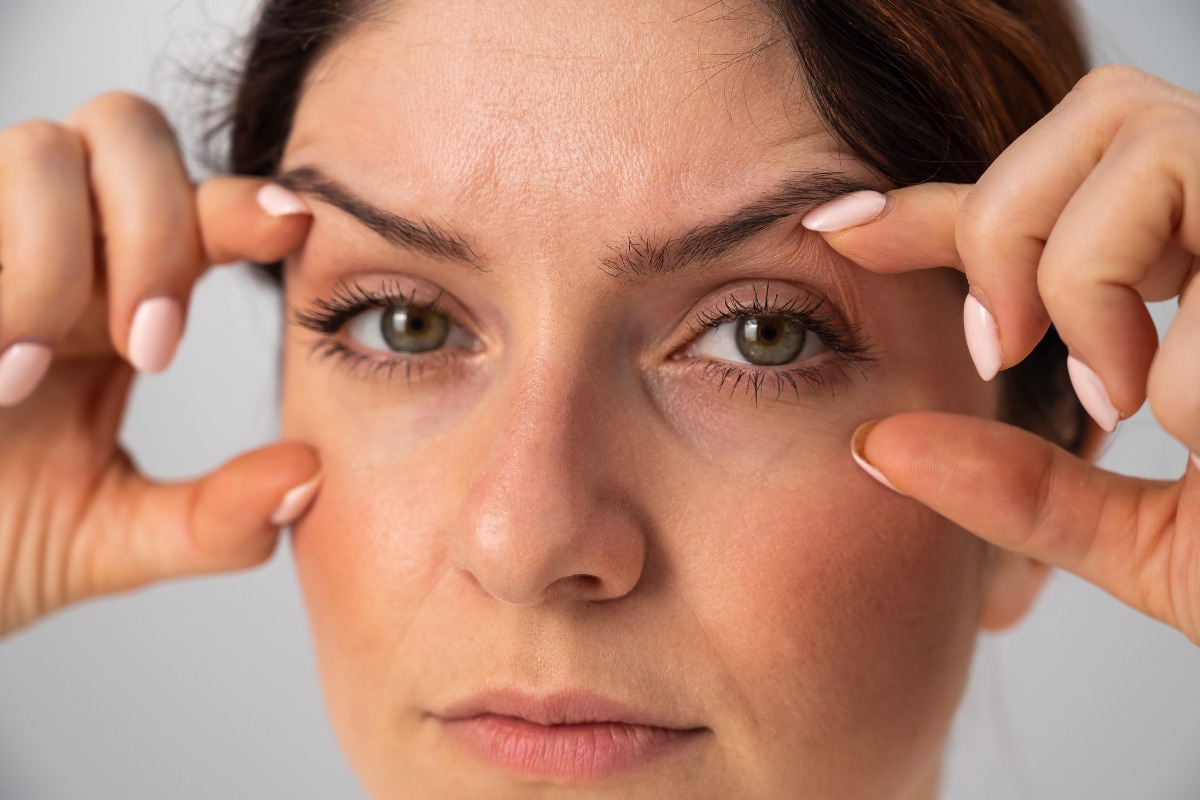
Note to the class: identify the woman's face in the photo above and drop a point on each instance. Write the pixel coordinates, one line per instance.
(598, 449)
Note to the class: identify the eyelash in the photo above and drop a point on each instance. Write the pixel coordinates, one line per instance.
(328, 316)
(817, 314)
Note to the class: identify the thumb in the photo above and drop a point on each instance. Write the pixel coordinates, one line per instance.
(227, 520)
(903, 230)
(249, 218)
(1024, 494)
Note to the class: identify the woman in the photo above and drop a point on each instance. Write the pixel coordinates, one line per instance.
(576, 505)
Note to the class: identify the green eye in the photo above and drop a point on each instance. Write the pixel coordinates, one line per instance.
(770, 341)
(411, 329)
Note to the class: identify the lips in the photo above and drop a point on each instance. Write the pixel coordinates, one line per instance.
(573, 736)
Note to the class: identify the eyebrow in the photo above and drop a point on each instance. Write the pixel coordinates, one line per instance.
(640, 256)
(637, 255)
(420, 235)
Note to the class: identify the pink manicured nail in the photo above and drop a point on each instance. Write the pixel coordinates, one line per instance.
(154, 335)
(22, 368)
(1092, 394)
(296, 502)
(857, 208)
(983, 338)
(279, 202)
(857, 443)
(1196, 460)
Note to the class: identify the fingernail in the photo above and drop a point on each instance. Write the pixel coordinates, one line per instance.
(279, 202)
(856, 208)
(22, 368)
(857, 444)
(983, 338)
(154, 335)
(296, 502)
(1092, 394)
(1196, 460)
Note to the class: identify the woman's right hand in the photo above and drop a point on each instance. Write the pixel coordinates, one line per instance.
(102, 237)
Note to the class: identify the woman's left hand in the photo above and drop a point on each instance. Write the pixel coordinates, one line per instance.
(1089, 215)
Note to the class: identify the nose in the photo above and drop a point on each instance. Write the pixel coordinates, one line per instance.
(547, 516)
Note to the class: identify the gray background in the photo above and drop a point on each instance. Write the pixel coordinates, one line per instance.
(206, 688)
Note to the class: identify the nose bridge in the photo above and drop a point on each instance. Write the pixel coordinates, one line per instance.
(545, 514)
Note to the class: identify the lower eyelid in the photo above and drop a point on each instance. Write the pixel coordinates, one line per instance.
(380, 367)
(787, 383)
(774, 384)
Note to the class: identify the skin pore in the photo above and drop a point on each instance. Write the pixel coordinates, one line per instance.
(580, 490)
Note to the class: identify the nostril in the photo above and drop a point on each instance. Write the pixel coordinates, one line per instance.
(589, 582)
(579, 585)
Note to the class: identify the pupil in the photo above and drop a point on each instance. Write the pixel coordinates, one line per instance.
(770, 341)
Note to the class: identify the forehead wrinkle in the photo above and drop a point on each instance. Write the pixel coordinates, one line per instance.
(629, 91)
(520, 134)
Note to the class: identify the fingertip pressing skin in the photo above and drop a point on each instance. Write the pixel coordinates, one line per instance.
(277, 201)
(296, 501)
(154, 334)
(248, 219)
(850, 211)
(1092, 394)
(858, 450)
(22, 367)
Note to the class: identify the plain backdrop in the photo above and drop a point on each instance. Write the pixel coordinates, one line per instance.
(206, 688)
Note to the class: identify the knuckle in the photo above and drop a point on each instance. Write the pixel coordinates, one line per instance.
(154, 241)
(1052, 288)
(1171, 419)
(119, 109)
(46, 294)
(1059, 282)
(39, 143)
(979, 225)
(1164, 128)
(1178, 413)
(1110, 78)
(1120, 84)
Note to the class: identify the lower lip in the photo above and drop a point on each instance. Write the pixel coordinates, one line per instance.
(583, 752)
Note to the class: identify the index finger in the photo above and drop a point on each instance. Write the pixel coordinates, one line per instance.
(249, 219)
(921, 227)
(910, 228)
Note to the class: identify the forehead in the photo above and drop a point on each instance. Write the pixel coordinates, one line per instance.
(636, 105)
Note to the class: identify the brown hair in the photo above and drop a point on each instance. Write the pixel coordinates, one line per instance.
(929, 91)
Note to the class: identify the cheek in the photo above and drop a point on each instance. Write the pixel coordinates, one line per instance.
(365, 560)
(371, 549)
(843, 579)
(843, 617)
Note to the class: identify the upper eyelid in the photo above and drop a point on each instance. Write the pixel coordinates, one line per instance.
(348, 299)
(814, 309)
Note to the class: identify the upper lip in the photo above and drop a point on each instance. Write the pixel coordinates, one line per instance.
(557, 708)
